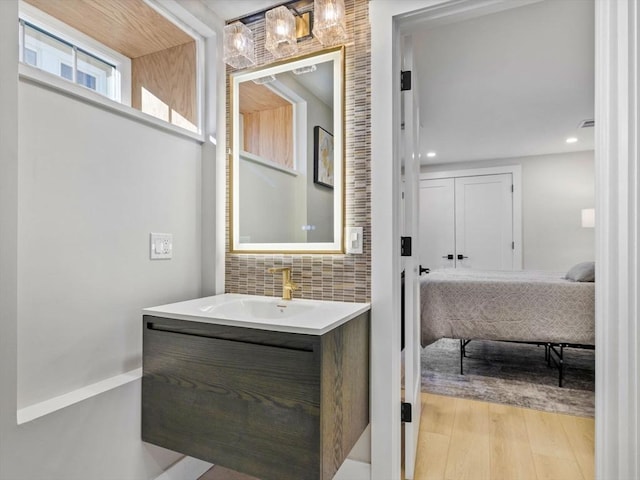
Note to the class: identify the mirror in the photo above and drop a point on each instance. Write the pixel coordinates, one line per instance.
(287, 189)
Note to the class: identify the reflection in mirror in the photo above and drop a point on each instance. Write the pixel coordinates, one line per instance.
(287, 191)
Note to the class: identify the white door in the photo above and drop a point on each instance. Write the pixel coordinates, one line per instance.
(412, 371)
(484, 222)
(437, 223)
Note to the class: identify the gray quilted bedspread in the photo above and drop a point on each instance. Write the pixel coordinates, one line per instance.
(523, 306)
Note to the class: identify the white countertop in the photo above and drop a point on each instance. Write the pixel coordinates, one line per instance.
(311, 317)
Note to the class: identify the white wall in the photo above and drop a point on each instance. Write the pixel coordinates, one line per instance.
(319, 198)
(269, 212)
(555, 188)
(8, 227)
(92, 184)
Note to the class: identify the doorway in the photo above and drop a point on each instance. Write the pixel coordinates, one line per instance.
(617, 140)
(493, 92)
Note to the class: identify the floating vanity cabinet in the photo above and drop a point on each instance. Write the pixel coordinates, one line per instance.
(270, 404)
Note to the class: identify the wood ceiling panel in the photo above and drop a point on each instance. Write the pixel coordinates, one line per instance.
(256, 98)
(130, 27)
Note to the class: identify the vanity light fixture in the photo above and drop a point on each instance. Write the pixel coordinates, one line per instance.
(431, 154)
(303, 70)
(280, 27)
(263, 80)
(239, 51)
(285, 26)
(330, 26)
(571, 140)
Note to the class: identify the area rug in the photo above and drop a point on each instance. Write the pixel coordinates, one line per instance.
(511, 373)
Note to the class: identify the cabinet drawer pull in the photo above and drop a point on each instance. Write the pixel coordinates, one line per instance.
(170, 329)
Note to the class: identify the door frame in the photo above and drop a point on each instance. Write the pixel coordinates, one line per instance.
(617, 419)
(516, 178)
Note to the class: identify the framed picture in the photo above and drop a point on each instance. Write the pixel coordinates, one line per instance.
(322, 157)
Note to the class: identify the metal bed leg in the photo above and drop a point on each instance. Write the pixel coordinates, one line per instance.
(463, 353)
(558, 360)
(560, 365)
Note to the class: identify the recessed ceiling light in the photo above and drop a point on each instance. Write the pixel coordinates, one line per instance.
(431, 154)
(571, 140)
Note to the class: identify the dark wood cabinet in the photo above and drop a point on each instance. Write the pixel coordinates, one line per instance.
(273, 405)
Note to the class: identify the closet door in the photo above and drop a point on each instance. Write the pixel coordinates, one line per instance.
(484, 222)
(437, 223)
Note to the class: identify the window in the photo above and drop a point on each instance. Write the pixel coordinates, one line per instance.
(151, 65)
(52, 54)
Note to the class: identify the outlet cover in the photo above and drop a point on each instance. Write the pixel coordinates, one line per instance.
(161, 246)
(354, 239)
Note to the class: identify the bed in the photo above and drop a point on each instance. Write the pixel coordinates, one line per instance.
(530, 307)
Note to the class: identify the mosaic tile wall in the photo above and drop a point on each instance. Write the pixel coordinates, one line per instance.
(324, 277)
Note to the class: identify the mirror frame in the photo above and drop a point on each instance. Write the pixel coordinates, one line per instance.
(337, 55)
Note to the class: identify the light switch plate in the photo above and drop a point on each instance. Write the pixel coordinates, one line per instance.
(354, 239)
(160, 246)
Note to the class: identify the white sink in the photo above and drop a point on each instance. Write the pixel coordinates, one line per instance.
(313, 317)
(261, 309)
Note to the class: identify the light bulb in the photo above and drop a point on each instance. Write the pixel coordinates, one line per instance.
(330, 13)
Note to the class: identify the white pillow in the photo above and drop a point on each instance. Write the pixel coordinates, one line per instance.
(582, 272)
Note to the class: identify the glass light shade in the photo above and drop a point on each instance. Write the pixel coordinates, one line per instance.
(330, 23)
(239, 51)
(280, 26)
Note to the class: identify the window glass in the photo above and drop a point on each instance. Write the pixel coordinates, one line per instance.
(95, 74)
(45, 51)
(66, 71)
(49, 53)
(30, 57)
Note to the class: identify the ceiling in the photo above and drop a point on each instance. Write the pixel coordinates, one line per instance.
(319, 82)
(508, 84)
(228, 10)
(256, 98)
(130, 27)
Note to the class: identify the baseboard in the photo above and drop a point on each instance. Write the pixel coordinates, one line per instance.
(188, 468)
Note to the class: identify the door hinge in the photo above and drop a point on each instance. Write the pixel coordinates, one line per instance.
(405, 412)
(511, 188)
(513, 245)
(405, 80)
(405, 246)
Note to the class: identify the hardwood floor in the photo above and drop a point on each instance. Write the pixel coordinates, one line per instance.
(466, 439)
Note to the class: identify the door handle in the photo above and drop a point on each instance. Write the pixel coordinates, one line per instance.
(460, 256)
(422, 270)
(448, 257)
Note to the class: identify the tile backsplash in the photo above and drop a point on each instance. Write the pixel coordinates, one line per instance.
(324, 277)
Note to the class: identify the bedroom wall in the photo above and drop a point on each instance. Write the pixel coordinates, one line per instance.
(555, 188)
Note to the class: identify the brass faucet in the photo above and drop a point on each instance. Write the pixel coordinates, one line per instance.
(287, 285)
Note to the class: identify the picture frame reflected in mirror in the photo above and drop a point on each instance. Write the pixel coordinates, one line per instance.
(323, 172)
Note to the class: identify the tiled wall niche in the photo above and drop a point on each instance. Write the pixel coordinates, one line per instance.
(324, 277)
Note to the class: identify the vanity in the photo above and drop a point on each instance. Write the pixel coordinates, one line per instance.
(271, 388)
